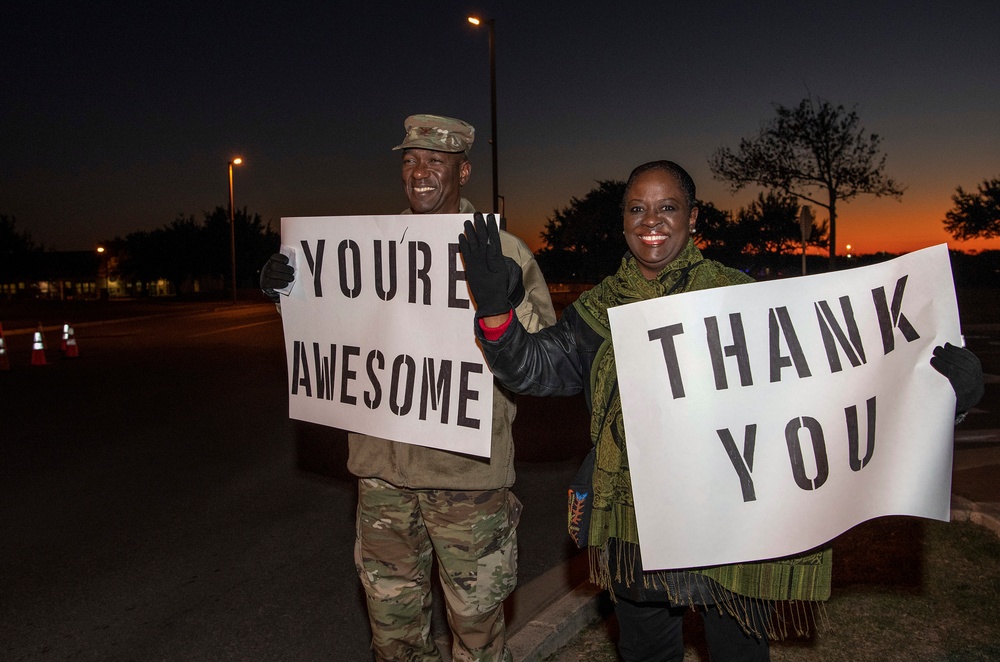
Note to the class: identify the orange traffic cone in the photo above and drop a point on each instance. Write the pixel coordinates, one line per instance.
(70, 350)
(65, 337)
(4, 361)
(38, 348)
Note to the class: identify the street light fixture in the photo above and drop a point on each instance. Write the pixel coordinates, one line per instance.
(232, 226)
(491, 24)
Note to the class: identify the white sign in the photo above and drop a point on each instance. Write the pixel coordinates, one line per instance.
(379, 331)
(765, 419)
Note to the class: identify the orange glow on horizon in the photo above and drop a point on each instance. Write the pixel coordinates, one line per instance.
(868, 225)
(884, 227)
(866, 238)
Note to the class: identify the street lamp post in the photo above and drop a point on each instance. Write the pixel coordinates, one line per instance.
(491, 24)
(805, 224)
(232, 226)
(103, 252)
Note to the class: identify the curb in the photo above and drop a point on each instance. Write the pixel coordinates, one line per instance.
(557, 624)
(984, 514)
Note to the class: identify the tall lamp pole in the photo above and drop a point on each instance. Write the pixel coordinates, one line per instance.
(491, 24)
(805, 223)
(103, 252)
(232, 226)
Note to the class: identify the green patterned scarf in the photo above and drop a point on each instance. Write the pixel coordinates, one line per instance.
(806, 577)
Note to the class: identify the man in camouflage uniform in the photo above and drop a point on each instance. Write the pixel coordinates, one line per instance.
(417, 503)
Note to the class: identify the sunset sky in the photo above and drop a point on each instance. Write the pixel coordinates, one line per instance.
(117, 117)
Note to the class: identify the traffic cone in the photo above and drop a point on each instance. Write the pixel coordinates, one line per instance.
(70, 350)
(4, 361)
(38, 348)
(65, 337)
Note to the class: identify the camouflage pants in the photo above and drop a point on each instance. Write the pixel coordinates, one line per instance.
(473, 536)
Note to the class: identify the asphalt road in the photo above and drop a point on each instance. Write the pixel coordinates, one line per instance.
(158, 504)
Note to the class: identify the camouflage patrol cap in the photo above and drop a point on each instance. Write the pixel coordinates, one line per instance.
(441, 134)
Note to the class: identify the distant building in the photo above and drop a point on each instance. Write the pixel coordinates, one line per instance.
(71, 275)
(52, 275)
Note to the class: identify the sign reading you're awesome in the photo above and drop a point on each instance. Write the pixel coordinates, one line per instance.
(378, 331)
(765, 419)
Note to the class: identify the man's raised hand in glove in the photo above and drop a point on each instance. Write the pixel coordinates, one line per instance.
(964, 371)
(275, 275)
(494, 280)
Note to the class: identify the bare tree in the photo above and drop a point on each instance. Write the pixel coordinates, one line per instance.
(805, 151)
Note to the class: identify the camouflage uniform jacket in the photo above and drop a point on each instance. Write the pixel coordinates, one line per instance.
(419, 467)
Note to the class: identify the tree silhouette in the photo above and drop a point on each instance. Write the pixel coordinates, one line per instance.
(806, 151)
(771, 225)
(717, 234)
(187, 251)
(17, 249)
(14, 241)
(756, 238)
(584, 241)
(975, 214)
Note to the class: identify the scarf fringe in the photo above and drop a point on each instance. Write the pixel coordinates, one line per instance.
(774, 619)
(784, 618)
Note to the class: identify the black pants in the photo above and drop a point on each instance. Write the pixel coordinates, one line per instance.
(653, 632)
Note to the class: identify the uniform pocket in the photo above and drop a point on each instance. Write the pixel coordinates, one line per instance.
(496, 574)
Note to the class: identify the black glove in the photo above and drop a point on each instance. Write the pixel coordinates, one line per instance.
(494, 280)
(275, 275)
(964, 371)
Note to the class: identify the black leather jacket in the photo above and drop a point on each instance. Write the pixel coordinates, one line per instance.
(553, 361)
(557, 361)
